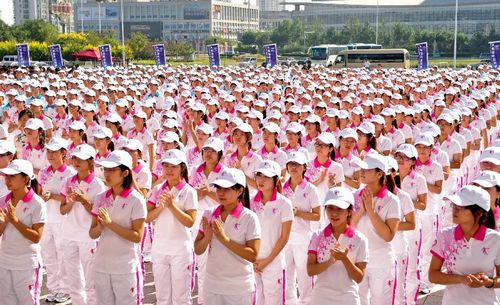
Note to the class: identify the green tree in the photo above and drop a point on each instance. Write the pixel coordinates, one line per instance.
(137, 44)
(5, 31)
(37, 30)
(248, 38)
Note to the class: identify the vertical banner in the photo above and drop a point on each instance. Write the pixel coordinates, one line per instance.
(159, 54)
(106, 58)
(56, 56)
(422, 56)
(23, 54)
(271, 54)
(495, 54)
(213, 55)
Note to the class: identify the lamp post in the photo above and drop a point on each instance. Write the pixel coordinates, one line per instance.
(456, 32)
(123, 33)
(81, 15)
(376, 24)
(99, 12)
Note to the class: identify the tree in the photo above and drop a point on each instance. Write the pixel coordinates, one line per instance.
(248, 38)
(37, 30)
(137, 44)
(5, 31)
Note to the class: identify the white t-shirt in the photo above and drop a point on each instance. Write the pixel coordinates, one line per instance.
(345, 290)
(350, 165)
(116, 255)
(199, 180)
(480, 254)
(146, 138)
(271, 216)
(400, 240)
(277, 155)
(304, 198)
(51, 181)
(314, 170)
(387, 206)
(173, 237)
(78, 220)
(143, 175)
(16, 251)
(227, 273)
(432, 171)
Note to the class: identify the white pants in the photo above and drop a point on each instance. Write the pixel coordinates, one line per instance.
(201, 260)
(118, 289)
(401, 269)
(79, 264)
(296, 272)
(430, 224)
(20, 287)
(271, 286)
(378, 285)
(52, 255)
(413, 269)
(220, 299)
(174, 278)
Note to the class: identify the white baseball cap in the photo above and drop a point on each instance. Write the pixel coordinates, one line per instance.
(117, 158)
(374, 160)
(170, 137)
(408, 150)
(34, 124)
(269, 168)
(206, 129)
(471, 195)
(114, 118)
(77, 125)
(84, 152)
(37, 102)
(214, 143)
(366, 128)
(174, 157)
(134, 144)
(425, 138)
(297, 157)
(102, 133)
(491, 154)
(340, 197)
(229, 177)
(487, 179)
(446, 117)
(7, 146)
(348, 133)
(19, 166)
(295, 128)
(57, 143)
(244, 127)
(272, 128)
(141, 114)
(89, 107)
(326, 138)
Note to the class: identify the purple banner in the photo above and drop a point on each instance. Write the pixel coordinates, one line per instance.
(422, 56)
(23, 55)
(56, 56)
(495, 54)
(106, 58)
(159, 54)
(271, 53)
(213, 55)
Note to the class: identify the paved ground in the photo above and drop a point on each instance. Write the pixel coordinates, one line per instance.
(433, 298)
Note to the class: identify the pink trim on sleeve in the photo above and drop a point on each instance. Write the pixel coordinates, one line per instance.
(437, 255)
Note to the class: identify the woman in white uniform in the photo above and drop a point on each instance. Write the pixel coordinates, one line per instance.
(337, 254)
(232, 232)
(119, 217)
(470, 251)
(22, 217)
(275, 215)
(7, 154)
(173, 205)
(377, 217)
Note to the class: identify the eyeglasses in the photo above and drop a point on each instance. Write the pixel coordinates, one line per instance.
(319, 145)
(401, 158)
(456, 207)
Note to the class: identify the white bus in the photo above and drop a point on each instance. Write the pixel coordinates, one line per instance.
(386, 58)
(326, 54)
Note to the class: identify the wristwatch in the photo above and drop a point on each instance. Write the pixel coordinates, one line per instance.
(493, 283)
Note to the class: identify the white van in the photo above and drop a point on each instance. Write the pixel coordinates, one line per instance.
(9, 59)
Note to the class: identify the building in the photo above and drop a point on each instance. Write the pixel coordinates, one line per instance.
(271, 5)
(173, 20)
(473, 15)
(42, 9)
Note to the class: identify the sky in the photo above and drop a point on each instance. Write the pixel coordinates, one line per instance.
(7, 11)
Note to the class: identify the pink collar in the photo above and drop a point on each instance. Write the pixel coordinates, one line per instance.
(258, 196)
(426, 163)
(27, 198)
(338, 156)
(105, 155)
(87, 179)
(302, 183)
(381, 194)
(328, 231)
(178, 187)
(124, 194)
(326, 164)
(236, 212)
(61, 168)
(216, 170)
(138, 168)
(29, 147)
(264, 151)
(478, 235)
(58, 117)
(248, 155)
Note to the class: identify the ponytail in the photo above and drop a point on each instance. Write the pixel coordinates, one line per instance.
(41, 138)
(245, 196)
(277, 184)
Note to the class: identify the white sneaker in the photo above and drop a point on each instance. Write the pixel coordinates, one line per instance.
(51, 297)
(61, 297)
(146, 258)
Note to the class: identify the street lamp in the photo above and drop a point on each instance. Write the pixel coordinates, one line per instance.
(376, 24)
(456, 31)
(99, 12)
(123, 33)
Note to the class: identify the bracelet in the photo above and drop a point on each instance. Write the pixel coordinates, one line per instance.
(493, 283)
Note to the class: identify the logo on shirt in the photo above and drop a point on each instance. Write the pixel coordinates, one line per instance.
(485, 250)
(275, 210)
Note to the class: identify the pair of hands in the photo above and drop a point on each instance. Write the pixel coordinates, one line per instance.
(166, 200)
(8, 214)
(214, 227)
(103, 217)
(202, 192)
(476, 280)
(73, 195)
(331, 177)
(367, 202)
(338, 254)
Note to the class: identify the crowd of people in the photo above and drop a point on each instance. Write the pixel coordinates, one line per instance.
(266, 186)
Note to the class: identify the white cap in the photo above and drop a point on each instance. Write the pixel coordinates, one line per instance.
(222, 115)
(229, 177)
(487, 179)
(326, 138)
(19, 166)
(57, 143)
(170, 137)
(272, 127)
(117, 158)
(348, 133)
(244, 127)
(491, 154)
(37, 102)
(446, 117)
(174, 157)
(7, 146)
(375, 160)
(134, 144)
(471, 195)
(295, 128)
(297, 157)
(366, 128)
(102, 133)
(388, 112)
(114, 118)
(313, 119)
(214, 143)
(34, 124)
(60, 102)
(141, 114)
(378, 119)
(89, 107)
(269, 168)
(77, 125)
(340, 197)
(425, 138)
(84, 152)
(206, 129)
(171, 123)
(408, 150)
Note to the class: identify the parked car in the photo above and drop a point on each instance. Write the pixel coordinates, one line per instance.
(288, 62)
(248, 62)
(9, 59)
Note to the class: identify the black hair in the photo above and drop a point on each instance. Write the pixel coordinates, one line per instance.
(128, 181)
(184, 172)
(27, 112)
(41, 137)
(33, 184)
(388, 181)
(277, 184)
(245, 196)
(372, 140)
(481, 216)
